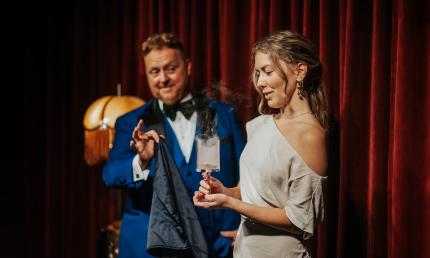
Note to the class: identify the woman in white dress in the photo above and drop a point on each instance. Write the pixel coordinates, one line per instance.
(283, 166)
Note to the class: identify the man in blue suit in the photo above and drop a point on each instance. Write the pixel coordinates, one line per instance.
(171, 114)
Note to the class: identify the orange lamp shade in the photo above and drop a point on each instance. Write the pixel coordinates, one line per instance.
(99, 125)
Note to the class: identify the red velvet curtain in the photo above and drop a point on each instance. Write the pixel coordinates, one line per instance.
(376, 60)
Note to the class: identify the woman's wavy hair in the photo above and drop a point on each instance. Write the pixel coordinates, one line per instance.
(293, 48)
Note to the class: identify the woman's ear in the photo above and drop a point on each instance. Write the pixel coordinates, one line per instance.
(302, 70)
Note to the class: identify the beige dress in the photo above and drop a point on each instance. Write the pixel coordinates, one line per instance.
(272, 174)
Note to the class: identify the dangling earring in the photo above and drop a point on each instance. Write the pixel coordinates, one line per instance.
(301, 89)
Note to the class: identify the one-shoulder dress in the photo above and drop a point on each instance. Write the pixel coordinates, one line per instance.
(272, 174)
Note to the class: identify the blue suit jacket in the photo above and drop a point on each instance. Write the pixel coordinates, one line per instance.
(117, 172)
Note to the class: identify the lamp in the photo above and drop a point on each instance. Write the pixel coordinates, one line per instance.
(99, 124)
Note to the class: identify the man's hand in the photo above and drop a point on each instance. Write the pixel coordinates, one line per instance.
(143, 143)
(230, 234)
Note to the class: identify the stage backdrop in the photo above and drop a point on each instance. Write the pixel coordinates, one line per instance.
(376, 72)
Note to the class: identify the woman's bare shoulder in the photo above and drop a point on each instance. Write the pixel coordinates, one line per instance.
(311, 145)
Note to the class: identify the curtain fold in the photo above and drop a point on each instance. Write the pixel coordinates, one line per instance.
(375, 56)
(408, 167)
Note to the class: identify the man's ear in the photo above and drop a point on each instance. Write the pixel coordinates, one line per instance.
(188, 66)
(302, 70)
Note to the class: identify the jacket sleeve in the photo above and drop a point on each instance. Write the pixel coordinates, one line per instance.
(118, 170)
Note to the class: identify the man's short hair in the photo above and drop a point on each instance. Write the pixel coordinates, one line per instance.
(166, 39)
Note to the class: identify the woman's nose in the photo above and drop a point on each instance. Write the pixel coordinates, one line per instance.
(261, 83)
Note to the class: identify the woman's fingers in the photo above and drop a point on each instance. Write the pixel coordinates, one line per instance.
(201, 197)
(204, 190)
(198, 196)
(210, 197)
(205, 184)
(199, 201)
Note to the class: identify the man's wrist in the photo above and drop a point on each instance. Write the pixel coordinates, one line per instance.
(140, 169)
(144, 164)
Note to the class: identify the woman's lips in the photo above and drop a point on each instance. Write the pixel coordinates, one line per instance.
(268, 95)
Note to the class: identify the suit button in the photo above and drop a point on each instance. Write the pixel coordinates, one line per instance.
(122, 181)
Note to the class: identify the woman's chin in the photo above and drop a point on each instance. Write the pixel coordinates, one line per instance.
(273, 104)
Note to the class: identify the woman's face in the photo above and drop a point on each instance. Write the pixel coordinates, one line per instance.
(276, 91)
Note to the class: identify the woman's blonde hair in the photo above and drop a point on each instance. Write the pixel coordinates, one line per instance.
(293, 48)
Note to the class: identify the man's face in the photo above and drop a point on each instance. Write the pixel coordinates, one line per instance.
(167, 74)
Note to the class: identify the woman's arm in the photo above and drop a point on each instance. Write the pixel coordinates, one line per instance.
(268, 215)
(233, 192)
(213, 194)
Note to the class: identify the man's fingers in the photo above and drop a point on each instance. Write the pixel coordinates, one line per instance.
(137, 133)
(230, 233)
(140, 124)
(154, 135)
(146, 137)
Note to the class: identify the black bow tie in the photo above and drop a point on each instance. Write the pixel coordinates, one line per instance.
(187, 108)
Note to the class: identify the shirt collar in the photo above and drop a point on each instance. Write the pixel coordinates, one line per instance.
(187, 97)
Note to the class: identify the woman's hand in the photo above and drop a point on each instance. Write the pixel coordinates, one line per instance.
(209, 201)
(210, 185)
(211, 194)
